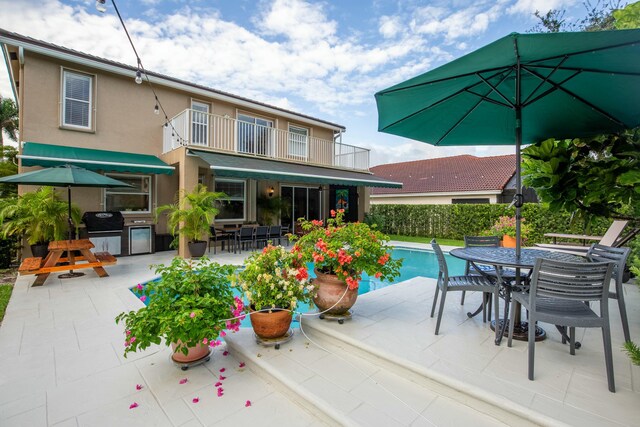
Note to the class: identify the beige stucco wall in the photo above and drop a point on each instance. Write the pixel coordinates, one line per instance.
(427, 200)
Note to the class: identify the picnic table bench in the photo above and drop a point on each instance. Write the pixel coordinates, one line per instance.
(56, 262)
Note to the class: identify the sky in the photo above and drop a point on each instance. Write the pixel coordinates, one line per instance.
(325, 59)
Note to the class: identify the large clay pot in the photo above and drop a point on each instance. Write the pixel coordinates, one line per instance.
(330, 294)
(195, 353)
(270, 325)
(40, 249)
(508, 241)
(197, 249)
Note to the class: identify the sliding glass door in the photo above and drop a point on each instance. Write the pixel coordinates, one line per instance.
(300, 202)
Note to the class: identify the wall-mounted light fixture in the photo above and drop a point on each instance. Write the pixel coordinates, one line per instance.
(270, 191)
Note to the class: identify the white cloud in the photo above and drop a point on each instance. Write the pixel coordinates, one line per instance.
(454, 24)
(530, 6)
(390, 26)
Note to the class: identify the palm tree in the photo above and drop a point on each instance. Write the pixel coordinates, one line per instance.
(8, 119)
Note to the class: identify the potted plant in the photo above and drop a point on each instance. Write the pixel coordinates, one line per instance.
(192, 215)
(274, 282)
(505, 228)
(40, 215)
(190, 306)
(341, 253)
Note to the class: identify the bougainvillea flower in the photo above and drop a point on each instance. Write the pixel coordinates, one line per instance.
(139, 386)
(378, 275)
(143, 298)
(247, 404)
(205, 341)
(183, 381)
(222, 378)
(139, 287)
(220, 392)
(133, 405)
(193, 314)
(223, 369)
(223, 334)
(196, 400)
(218, 384)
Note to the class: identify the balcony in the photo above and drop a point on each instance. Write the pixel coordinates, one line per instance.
(226, 134)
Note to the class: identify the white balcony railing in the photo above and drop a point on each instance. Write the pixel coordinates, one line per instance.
(221, 133)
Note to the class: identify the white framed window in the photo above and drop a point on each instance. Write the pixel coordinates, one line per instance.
(199, 123)
(135, 199)
(233, 208)
(255, 135)
(298, 141)
(77, 100)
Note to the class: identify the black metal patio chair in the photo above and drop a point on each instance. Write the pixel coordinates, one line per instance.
(261, 236)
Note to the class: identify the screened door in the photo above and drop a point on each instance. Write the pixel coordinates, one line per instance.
(300, 202)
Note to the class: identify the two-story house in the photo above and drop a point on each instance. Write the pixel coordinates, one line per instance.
(88, 111)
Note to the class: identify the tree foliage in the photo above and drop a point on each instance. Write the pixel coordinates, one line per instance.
(8, 119)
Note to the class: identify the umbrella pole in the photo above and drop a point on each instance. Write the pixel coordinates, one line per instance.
(518, 199)
(71, 274)
(69, 212)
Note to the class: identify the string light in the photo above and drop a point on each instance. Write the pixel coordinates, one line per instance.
(100, 6)
(141, 73)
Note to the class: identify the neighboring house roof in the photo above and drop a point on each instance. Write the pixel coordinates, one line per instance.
(455, 174)
(46, 48)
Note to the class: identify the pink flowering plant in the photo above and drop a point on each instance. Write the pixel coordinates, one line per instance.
(191, 303)
(506, 225)
(275, 278)
(347, 249)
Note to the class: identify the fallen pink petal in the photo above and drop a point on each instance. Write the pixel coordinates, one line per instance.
(223, 334)
(139, 386)
(241, 365)
(218, 384)
(196, 400)
(248, 403)
(225, 353)
(133, 405)
(183, 381)
(222, 378)
(223, 369)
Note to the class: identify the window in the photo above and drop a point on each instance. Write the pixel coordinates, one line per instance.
(255, 135)
(76, 99)
(469, 201)
(233, 207)
(199, 123)
(298, 138)
(132, 199)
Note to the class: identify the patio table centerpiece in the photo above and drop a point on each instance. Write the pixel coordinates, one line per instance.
(274, 281)
(342, 252)
(190, 306)
(505, 229)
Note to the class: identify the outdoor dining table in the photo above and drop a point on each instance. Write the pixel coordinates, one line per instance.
(502, 258)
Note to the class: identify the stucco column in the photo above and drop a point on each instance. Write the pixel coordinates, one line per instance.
(187, 169)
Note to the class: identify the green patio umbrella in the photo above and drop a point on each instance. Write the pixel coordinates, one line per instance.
(65, 176)
(521, 89)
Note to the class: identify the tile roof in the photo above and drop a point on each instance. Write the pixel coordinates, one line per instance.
(447, 174)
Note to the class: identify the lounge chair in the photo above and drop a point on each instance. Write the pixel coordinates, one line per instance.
(613, 237)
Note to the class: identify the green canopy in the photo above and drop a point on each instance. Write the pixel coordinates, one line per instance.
(49, 155)
(522, 88)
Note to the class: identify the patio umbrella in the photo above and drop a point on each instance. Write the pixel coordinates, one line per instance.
(65, 176)
(521, 89)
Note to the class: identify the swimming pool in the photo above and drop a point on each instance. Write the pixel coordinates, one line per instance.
(416, 263)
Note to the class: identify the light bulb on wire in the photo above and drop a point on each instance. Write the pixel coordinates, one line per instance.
(156, 109)
(138, 76)
(100, 6)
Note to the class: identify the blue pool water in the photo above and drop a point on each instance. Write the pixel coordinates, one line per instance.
(416, 263)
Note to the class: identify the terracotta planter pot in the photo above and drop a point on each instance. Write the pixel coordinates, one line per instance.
(195, 353)
(508, 241)
(271, 325)
(40, 249)
(330, 296)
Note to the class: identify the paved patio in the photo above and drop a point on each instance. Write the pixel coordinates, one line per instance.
(61, 364)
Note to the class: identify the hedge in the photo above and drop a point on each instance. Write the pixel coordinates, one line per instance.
(457, 221)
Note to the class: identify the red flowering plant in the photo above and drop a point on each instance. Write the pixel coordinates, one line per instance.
(275, 278)
(347, 249)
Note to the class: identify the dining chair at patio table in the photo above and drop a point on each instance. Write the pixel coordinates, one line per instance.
(618, 257)
(469, 267)
(244, 236)
(262, 235)
(467, 282)
(557, 295)
(275, 233)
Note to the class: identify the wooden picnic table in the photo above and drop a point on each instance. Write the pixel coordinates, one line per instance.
(583, 237)
(55, 261)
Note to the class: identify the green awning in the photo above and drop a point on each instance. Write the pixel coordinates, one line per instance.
(47, 155)
(225, 165)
